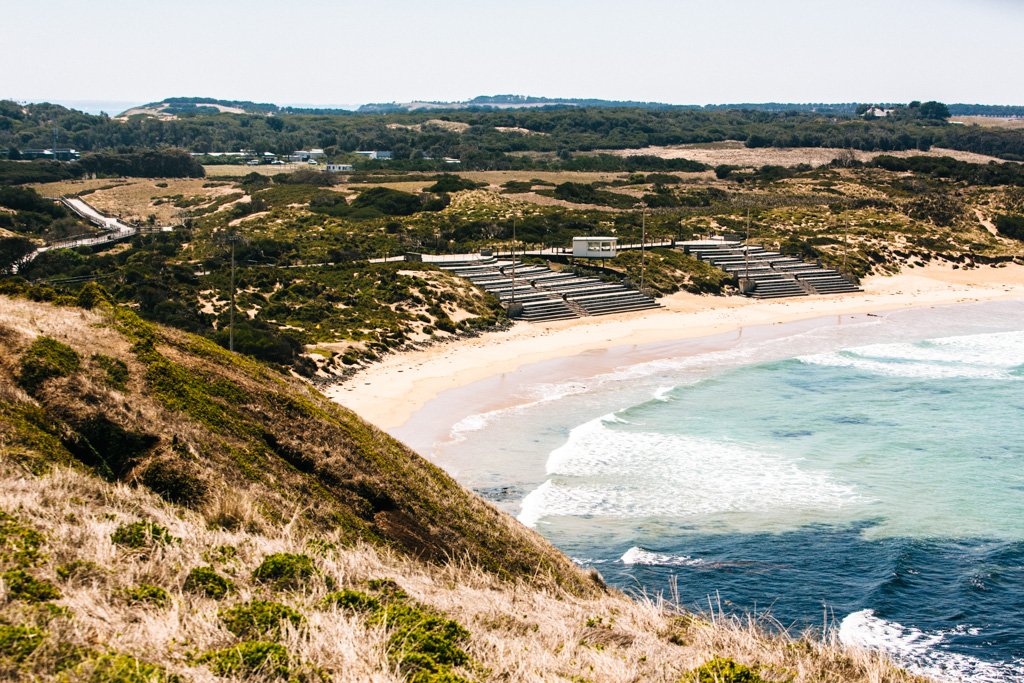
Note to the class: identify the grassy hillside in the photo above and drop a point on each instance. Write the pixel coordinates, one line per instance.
(170, 512)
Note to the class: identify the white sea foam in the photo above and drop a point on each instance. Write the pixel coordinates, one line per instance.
(921, 651)
(662, 394)
(979, 356)
(623, 473)
(637, 555)
(535, 395)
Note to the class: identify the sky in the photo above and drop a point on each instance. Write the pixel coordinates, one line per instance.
(338, 52)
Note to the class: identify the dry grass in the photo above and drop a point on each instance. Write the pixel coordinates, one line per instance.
(135, 200)
(517, 633)
(990, 121)
(736, 154)
(221, 170)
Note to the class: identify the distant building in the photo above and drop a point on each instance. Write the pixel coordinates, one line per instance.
(376, 154)
(451, 160)
(877, 112)
(594, 247)
(306, 155)
(58, 153)
(339, 168)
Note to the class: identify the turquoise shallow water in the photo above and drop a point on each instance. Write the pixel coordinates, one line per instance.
(870, 467)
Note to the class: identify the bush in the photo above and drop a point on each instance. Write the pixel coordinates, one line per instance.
(449, 182)
(285, 570)
(722, 670)
(1010, 226)
(141, 535)
(23, 586)
(145, 594)
(206, 581)
(249, 660)
(46, 359)
(258, 619)
(91, 295)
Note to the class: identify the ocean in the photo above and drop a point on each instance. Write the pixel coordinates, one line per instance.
(863, 474)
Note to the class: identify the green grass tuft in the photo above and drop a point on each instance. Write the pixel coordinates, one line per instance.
(254, 659)
(259, 619)
(722, 670)
(206, 581)
(146, 594)
(115, 371)
(352, 600)
(23, 586)
(46, 359)
(285, 570)
(119, 668)
(19, 544)
(18, 642)
(141, 535)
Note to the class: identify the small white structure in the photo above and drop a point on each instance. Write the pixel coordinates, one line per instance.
(339, 168)
(594, 247)
(877, 112)
(306, 155)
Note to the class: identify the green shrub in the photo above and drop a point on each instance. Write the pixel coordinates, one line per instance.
(141, 535)
(249, 660)
(285, 570)
(146, 594)
(206, 581)
(23, 586)
(353, 600)
(258, 619)
(45, 359)
(18, 642)
(121, 668)
(91, 295)
(722, 670)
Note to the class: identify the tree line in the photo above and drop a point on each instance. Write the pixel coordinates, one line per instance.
(494, 139)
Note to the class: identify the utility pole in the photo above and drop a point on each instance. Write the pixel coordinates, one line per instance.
(232, 239)
(846, 244)
(746, 248)
(643, 242)
(513, 260)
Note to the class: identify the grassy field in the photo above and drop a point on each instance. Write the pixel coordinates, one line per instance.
(990, 121)
(220, 170)
(735, 153)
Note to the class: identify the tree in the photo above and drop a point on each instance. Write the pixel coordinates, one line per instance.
(935, 111)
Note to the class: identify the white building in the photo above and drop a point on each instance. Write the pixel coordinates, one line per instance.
(594, 247)
(339, 168)
(376, 154)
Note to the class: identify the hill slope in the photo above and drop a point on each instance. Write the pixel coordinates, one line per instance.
(170, 512)
(197, 425)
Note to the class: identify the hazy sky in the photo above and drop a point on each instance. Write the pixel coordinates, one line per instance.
(682, 51)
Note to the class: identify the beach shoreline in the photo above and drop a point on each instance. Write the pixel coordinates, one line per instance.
(389, 393)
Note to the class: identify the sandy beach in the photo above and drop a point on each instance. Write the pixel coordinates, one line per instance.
(388, 393)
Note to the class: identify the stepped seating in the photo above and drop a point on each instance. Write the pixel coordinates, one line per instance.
(771, 274)
(549, 295)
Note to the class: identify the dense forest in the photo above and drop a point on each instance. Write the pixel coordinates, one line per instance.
(490, 139)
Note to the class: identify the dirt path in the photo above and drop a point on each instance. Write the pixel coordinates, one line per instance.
(986, 223)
